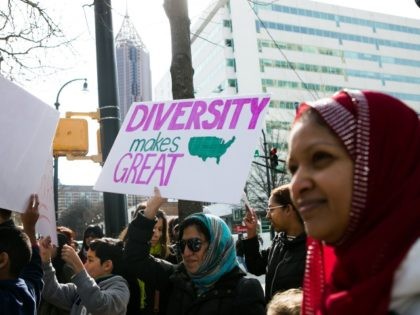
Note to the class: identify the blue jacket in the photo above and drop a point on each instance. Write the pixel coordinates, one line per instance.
(22, 295)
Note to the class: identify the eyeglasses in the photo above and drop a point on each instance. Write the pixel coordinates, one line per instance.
(271, 209)
(194, 244)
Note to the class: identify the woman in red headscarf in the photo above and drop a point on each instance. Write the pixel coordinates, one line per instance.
(355, 165)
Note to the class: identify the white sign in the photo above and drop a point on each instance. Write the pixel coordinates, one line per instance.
(192, 149)
(27, 128)
(46, 224)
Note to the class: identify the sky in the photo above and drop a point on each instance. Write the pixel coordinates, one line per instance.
(76, 17)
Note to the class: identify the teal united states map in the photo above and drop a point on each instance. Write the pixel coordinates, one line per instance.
(209, 147)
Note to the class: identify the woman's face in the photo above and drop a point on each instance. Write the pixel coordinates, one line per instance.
(322, 176)
(276, 215)
(90, 238)
(157, 232)
(193, 259)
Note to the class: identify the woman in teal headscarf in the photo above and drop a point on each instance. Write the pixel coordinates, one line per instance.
(208, 281)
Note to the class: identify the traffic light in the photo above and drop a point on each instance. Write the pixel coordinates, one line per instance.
(274, 159)
(71, 137)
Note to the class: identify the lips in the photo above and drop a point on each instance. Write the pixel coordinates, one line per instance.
(189, 261)
(307, 207)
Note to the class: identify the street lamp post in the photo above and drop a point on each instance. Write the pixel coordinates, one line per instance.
(57, 106)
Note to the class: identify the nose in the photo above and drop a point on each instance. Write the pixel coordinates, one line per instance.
(156, 234)
(300, 183)
(187, 252)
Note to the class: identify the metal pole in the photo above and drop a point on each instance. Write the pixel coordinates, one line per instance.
(266, 164)
(115, 206)
(57, 106)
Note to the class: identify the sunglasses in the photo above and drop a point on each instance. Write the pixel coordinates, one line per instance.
(194, 244)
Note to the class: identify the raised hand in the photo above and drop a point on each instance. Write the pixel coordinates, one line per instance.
(69, 255)
(250, 221)
(153, 204)
(45, 249)
(30, 217)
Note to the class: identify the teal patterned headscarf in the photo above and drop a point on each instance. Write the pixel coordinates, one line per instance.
(221, 253)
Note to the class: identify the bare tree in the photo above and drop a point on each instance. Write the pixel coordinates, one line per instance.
(181, 72)
(26, 32)
(257, 186)
(80, 214)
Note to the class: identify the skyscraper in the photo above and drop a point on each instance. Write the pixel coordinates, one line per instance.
(133, 67)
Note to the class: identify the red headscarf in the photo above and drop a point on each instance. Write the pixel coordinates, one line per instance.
(382, 136)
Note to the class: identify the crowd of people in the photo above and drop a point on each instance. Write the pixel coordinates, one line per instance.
(347, 235)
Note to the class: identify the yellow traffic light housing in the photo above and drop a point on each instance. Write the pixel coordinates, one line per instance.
(71, 137)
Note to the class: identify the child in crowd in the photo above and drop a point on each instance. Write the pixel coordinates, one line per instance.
(285, 303)
(95, 287)
(92, 232)
(20, 264)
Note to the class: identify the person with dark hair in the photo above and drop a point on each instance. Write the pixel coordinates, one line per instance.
(6, 218)
(65, 236)
(140, 293)
(62, 270)
(283, 263)
(208, 281)
(91, 233)
(354, 161)
(20, 265)
(175, 256)
(96, 287)
(240, 255)
(173, 237)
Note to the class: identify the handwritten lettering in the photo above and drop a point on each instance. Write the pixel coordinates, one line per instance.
(141, 168)
(197, 114)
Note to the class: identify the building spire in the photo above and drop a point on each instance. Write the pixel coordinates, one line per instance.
(128, 34)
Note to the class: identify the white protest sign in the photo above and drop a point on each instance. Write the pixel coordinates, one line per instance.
(192, 149)
(46, 224)
(27, 128)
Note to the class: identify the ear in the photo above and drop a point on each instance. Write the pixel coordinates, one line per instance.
(4, 260)
(108, 266)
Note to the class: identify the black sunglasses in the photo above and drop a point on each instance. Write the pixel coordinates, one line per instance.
(194, 244)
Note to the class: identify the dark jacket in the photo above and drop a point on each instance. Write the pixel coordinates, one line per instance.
(172, 282)
(283, 263)
(232, 294)
(21, 296)
(8, 223)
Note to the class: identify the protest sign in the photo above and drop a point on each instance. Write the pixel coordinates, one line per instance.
(192, 149)
(46, 224)
(27, 128)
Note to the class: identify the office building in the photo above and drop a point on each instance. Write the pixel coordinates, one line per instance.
(133, 67)
(300, 50)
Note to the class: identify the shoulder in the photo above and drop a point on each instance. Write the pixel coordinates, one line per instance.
(249, 297)
(248, 287)
(114, 280)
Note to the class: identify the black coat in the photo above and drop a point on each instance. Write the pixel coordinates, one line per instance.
(177, 294)
(283, 263)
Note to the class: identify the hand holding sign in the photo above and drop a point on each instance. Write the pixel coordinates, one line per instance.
(153, 204)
